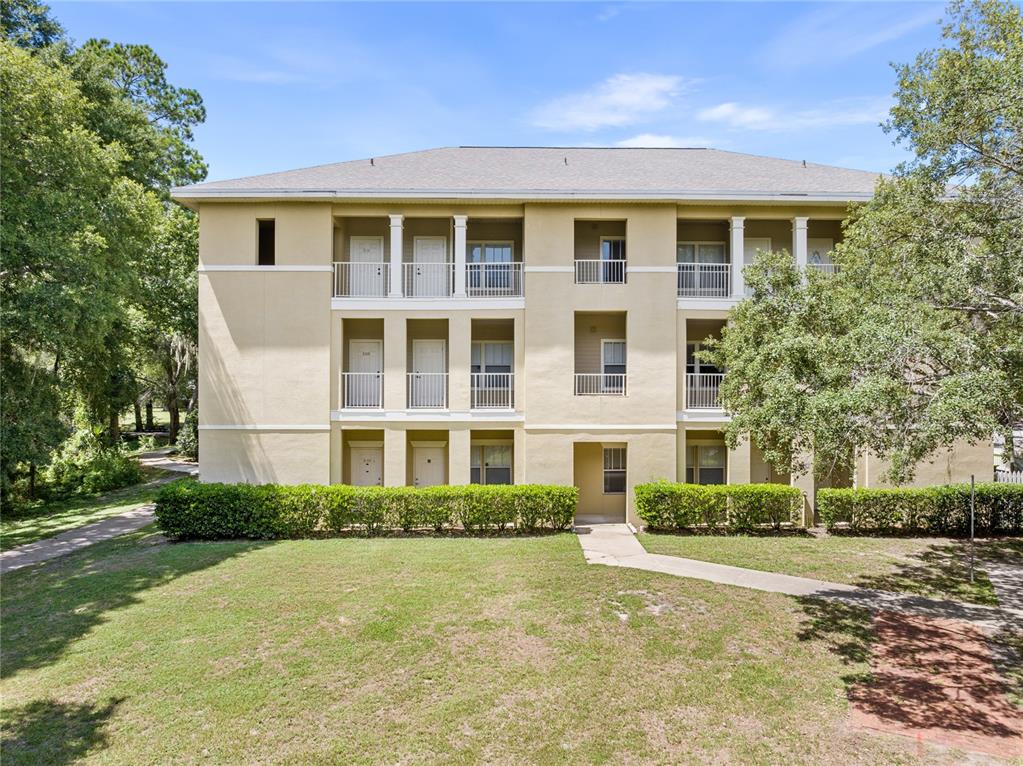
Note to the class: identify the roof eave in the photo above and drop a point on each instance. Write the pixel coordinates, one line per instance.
(190, 196)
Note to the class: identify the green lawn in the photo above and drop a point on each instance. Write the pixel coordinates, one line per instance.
(416, 651)
(928, 566)
(47, 519)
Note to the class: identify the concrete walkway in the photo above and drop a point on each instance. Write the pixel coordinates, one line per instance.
(98, 531)
(616, 545)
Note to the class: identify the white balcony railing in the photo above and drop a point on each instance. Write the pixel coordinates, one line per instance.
(368, 280)
(704, 280)
(702, 390)
(824, 268)
(363, 390)
(493, 390)
(490, 280)
(428, 389)
(599, 272)
(599, 384)
(427, 280)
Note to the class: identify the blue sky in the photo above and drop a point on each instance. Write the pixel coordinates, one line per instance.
(290, 85)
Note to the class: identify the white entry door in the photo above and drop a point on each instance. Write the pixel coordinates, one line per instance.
(428, 465)
(363, 387)
(367, 269)
(431, 276)
(751, 246)
(428, 385)
(367, 466)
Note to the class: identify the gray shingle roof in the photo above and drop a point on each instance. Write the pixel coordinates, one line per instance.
(552, 172)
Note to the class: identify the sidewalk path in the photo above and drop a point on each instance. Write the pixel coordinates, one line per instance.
(89, 534)
(616, 545)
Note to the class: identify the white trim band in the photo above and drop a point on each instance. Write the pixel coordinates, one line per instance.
(236, 267)
(549, 269)
(426, 416)
(601, 427)
(263, 427)
(651, 269)
(428, 304)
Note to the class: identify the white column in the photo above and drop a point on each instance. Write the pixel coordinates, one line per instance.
(799, 241)
(737, 252)
(460, 221)
(396, 252)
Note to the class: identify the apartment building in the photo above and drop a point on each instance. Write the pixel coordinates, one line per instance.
(496, 315)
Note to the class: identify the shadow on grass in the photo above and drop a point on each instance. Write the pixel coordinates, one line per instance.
(55, 733)
(785, 531)
(940, 569)
(46, 608)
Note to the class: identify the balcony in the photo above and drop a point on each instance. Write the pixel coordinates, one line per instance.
(824, 268)
(493, 280)
(704, 280)
(599, 272)
(362, 390)
(702, 390)
(492, 391)
(600, 384)
(427, 280)
(427, 390)
(360, 280)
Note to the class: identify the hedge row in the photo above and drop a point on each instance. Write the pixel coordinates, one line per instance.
(730, 507)
(941, 510)
(190, 510)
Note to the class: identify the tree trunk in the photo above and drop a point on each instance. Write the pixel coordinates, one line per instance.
(114, 430)
(138, 415)
(31, 481)
(149, 415)
(175, 420)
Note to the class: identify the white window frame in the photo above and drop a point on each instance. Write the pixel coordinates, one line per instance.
(510, 244)
(696, 250)
(623, 469)
(698, 365)
(696, 446)
(483, 353)
(612, 238)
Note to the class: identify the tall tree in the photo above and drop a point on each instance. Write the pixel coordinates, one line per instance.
(919, 340)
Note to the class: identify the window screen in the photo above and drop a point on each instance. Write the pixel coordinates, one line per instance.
(614, 470)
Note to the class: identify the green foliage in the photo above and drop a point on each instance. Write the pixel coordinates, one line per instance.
(918, 341)
(188, 437)
(84, 465)
(189, 510)
(943, 510)
(731, 507)
(28, 24)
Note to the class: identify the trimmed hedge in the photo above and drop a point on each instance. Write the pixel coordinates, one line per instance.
(729, 507)
(194, 511)
(943, 510)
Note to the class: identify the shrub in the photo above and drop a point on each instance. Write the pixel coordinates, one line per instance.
(84, 465)
(189, 510)
(732, 507)
(188, 436)
(943, 510)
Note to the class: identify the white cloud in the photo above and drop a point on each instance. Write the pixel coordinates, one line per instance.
(769, 118)
(658, 141)
(622, 99)
(841, 31)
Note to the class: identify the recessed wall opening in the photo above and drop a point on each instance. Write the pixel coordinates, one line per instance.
(491, 456)
(703, 379)
(601, 353)
(600, 471)
(426, 458)
(492, 375)
(266, 247)
(362, 363)
(362, 457)
(600, 252)
(706, 457)
(703, 259)
(427, 363)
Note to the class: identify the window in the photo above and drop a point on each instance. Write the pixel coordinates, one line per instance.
(612, 366)
(490, 464)
(489, 252)
(694, 365)
(492, 356)
(614, 470)
(265, 252)
(705, 464)
(612, 256)
(701, 252)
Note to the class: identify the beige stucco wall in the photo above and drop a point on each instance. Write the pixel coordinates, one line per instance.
(947, 466)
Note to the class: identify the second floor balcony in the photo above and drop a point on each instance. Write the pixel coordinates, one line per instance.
(702, 390)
